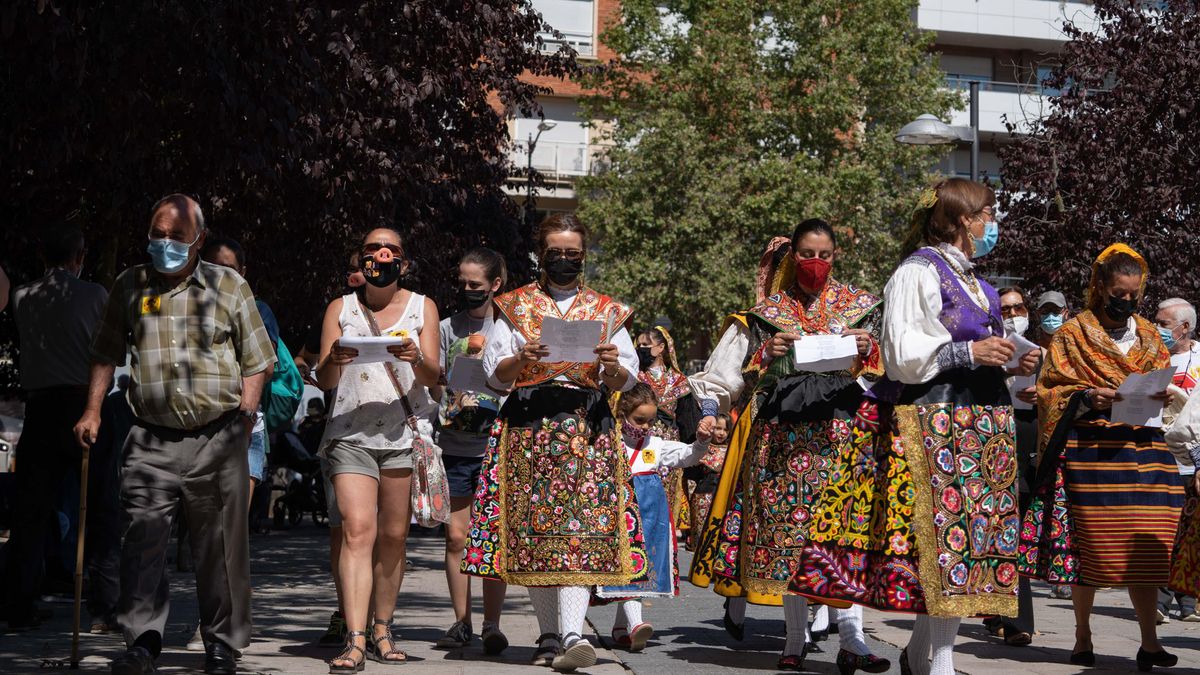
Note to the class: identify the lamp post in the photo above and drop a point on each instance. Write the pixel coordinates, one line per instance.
(929, 130)
(533, 139)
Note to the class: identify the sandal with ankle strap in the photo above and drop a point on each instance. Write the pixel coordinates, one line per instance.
(348, 655)
(377, 655)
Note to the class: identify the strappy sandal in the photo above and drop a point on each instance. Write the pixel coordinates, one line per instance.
(348, 655)
(548, 646)
(378, 655)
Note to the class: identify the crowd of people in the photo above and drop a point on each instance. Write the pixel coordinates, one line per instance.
(962, 441)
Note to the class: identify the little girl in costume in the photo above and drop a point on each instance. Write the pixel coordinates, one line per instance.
(637, 409)
(706, 475)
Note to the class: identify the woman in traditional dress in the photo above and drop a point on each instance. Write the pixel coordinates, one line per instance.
(796, 420)
(1109, 493)
(555, 510)
(678, 413)
(921, 515)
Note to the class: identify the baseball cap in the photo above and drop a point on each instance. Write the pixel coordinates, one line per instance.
(1052, 298)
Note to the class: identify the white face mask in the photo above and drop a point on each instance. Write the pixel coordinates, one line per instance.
(1017, 324)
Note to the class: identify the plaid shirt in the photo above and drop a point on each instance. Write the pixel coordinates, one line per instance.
(191, 344)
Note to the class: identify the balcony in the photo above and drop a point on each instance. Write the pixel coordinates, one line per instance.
(1004, 24)
(1022, 103)
(583, 43)
(557, 161)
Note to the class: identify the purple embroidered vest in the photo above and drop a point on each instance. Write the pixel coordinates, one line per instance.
(962, 317)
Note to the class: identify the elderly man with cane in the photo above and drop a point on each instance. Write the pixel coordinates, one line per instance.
(199, 359)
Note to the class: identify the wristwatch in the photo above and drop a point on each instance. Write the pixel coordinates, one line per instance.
(249, 415)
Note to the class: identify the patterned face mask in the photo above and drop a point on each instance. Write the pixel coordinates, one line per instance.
(633, 435)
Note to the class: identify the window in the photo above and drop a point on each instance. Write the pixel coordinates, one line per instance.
(572, 18)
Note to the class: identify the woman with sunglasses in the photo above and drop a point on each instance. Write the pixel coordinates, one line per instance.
(368, 442)
(555, 510)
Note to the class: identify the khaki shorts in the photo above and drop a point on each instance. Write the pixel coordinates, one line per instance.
(345, 457)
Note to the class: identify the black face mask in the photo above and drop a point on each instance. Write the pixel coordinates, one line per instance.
(645, 358)
(1120, 309)
(473, 299)
(380, 274)
(561, 271)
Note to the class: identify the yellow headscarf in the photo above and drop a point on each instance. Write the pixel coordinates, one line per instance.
(1094, 292)
(674, 363)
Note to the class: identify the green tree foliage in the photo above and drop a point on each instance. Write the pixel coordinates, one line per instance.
(733, 120)
(1116, 158)
(296, 125)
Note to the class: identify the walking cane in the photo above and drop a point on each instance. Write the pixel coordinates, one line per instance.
(83, 496)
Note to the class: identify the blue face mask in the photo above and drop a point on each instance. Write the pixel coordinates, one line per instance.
(169, 256)
(984, 245)
(1051, 323)
(1168, 337)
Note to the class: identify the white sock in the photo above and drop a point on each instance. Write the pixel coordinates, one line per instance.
(850, 630)
(632, 609)
(572, 612)
(820, 619)
(545, 606)
(737, 610)
(942, 633)
(918, 646)
(795, 618)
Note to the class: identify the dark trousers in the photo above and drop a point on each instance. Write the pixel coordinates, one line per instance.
(102, 545)
(205, 471)
(46, 454)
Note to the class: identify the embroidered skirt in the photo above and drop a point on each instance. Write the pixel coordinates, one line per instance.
(1109, 513)
(941, 533)
(555, 505)
(798, 429)
(1185, 560)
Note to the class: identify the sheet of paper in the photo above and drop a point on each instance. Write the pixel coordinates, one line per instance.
(1018, 383)
(825, 353)
(571, 341)
(467, 375)
(372, 349)
(1023, 347)
(1135, 406)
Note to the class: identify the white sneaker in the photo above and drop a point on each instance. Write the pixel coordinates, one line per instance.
(580, 654)
(196, 644)
(1162, 618)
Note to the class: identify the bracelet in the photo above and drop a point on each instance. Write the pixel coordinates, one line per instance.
(612, 374)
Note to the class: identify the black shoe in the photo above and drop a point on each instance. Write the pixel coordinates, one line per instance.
(849, 662)
(1087, 658)
(136, 661)
(459, 635)
(219, 659)
(1147, 660)
(813, 648)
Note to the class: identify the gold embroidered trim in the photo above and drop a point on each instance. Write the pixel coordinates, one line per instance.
(937, 601)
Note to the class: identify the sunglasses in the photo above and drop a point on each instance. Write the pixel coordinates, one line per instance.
(572, 254)
(374, 247)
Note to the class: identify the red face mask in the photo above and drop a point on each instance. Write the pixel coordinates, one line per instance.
(812, 273)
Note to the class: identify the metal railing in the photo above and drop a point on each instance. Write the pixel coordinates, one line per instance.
(959, 82)
(553, 159)
(582, 43)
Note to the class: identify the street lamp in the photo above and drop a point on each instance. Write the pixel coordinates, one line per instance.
(929, 130)
(533, 139)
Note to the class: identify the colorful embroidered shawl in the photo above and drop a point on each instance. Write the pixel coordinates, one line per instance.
(525, 308)
(1081, 357)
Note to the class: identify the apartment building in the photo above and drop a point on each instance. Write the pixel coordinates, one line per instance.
(1006, 45)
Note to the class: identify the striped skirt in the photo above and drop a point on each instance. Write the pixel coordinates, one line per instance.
(1110, 516)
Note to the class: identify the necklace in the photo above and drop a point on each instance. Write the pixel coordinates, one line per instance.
(969, 281)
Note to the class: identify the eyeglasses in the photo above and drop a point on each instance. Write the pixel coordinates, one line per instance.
(1017, 309)
(374, 247)
(572, 254)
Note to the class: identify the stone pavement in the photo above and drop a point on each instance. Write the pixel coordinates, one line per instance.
(294, 595)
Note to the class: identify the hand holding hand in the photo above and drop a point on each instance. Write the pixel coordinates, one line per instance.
(992, 351)
(779, 345)
(704, 431)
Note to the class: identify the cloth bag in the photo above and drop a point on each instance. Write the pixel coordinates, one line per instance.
(430, 489)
